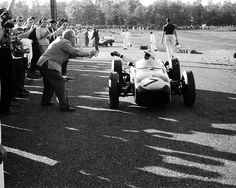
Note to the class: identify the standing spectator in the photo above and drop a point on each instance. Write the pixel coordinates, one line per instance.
(86, 36)
(41, 34)
(50, 67)
(169, 32)
(20, 63)
(6, 68)
(153, 41)
(28, 28)
(52, 28)
(96, 38)
(58, 30)
(58, 22)
(32, 72)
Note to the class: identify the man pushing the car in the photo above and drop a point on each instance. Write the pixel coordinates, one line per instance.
(50, 64)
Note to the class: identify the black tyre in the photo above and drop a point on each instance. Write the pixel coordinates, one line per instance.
(188, 88)
(114, 90)
(175, 75)
(116, 66)
(137, 98)
(166, 100)
(111, 44)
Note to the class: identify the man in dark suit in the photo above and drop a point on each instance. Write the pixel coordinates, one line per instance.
(96, 38)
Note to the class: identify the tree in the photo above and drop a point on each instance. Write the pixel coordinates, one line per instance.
(197, 11)
(139, 13)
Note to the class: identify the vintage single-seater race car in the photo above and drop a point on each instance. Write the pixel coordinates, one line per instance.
(106, 41)
(149, 80)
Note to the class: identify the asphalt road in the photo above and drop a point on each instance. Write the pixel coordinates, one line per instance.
(172, 146)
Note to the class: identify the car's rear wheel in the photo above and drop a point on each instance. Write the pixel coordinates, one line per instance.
(137, 97)
(175, 70)
(166, 99)
(114, 90)
(188, 88)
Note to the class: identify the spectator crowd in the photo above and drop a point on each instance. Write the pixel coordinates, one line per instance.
(22, 42)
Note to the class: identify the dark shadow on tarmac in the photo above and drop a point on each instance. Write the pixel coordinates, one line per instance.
(115, 149)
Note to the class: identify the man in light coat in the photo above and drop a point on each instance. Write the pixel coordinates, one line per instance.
(50, 64)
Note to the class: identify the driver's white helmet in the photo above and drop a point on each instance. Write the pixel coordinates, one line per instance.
(152, 53)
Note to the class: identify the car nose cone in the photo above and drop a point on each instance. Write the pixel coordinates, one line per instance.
(153, 84)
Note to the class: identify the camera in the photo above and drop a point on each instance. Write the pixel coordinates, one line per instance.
(6, 24)
(6, 20)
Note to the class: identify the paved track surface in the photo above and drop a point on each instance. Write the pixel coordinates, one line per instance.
(172, 146)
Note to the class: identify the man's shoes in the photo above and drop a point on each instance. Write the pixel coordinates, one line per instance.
(47, 104)
(67, 78)
(67, 109)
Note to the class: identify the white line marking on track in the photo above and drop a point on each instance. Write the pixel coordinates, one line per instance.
(31, 156)
(14, 127)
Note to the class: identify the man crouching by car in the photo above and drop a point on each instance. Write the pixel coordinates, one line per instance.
(50, 64)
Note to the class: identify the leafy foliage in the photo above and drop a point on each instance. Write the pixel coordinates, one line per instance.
(132, 12)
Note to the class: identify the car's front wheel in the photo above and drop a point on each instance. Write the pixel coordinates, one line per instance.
(175, 70)
(188, 88)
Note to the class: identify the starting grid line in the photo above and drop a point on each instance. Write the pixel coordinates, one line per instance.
(31, 156)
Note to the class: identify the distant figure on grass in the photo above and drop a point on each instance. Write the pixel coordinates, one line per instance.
(153, 41)
(50, 64)
(124, 40)
(127, 37)
(170, 35)
(96, 38)
(86, 36)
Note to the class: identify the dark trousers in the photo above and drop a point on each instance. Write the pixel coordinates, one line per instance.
(6, 76)
(96, 44)
(35, 58)
(53, 82)
(64, 68)
(19, 68)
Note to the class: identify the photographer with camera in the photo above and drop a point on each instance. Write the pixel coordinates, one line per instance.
(6, 69)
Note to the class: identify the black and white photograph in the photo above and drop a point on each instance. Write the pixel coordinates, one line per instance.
(117, 93)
